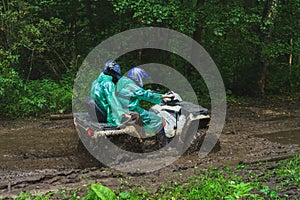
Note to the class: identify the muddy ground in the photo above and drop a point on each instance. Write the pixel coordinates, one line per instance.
(39, 156)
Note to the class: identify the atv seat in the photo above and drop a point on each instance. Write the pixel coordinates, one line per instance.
(95, 111)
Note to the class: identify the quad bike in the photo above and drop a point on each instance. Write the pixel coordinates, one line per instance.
(185, 125)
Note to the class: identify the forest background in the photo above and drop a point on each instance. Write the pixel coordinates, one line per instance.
(254, 43)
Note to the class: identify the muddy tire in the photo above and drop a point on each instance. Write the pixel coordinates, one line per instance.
(196, 142)
(127, 143)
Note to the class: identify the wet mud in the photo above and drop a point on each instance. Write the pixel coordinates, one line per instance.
(39, 156)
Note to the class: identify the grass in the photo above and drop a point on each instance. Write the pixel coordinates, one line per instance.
(213, 184)
(274, 180)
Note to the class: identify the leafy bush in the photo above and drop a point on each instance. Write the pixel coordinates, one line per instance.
(34, 98)
(46, 96)
(10, 90)
(10, 82)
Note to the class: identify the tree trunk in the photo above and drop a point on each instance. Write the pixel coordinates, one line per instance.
(92, 25)
(290, 65)
(197, 36)
(268, 14)
(263, 75)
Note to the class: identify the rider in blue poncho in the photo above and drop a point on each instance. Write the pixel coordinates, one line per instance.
(102, 92)
(130, 92)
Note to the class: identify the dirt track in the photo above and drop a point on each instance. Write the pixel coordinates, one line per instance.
(42, 155)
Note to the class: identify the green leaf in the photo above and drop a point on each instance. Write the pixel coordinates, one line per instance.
(104, 193)
(124, 195)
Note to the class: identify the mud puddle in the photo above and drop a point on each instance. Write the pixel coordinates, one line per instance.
(41, 147)
(284, 137)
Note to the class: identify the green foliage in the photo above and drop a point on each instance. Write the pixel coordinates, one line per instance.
(29, 196)
(212, 184)
(239, 35)
(98, 191)
(208, 183)
(7, 60)
(173, 14)
(45, 97)
(34, 98)
(241, 190)
(290, 170)
(10, 82)
(255, 44)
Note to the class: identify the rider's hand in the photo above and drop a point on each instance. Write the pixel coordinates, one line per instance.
(171, 96)
(127, 115)
(131, 116)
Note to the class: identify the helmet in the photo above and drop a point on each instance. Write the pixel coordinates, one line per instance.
(112, 68)
(137, 74)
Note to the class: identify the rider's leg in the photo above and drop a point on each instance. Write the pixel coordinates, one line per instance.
(164, 138)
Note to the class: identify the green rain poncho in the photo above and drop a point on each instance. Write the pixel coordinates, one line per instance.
(103, 92)
(130, 95)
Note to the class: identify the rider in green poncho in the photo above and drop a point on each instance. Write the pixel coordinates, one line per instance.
(102, 91)
(130, 92)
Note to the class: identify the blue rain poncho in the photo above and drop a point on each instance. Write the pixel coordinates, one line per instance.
(130, 95)
(103, 92)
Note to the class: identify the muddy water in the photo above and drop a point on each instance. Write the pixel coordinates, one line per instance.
(36, 145)
(284, 137)
(39, 147)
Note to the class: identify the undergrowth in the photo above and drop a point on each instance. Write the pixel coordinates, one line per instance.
(275, 180)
